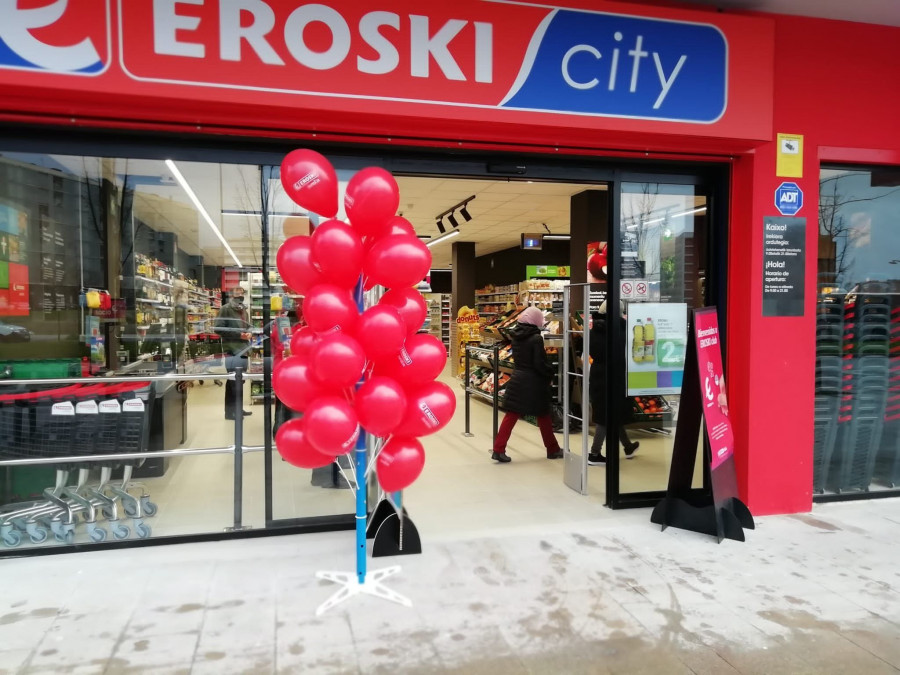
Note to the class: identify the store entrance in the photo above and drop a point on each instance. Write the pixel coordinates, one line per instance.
(167, 235)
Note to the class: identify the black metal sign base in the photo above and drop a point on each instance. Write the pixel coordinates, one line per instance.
(703, 517)
(717, 510)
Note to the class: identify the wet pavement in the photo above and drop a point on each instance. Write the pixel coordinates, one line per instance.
(812, 593)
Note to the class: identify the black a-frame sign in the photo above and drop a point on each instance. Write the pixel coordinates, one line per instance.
(717, 512)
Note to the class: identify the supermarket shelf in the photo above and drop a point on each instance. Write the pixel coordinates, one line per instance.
(154, 281)
(148, 301)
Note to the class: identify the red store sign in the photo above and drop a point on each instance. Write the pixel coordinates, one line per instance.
(643, 68)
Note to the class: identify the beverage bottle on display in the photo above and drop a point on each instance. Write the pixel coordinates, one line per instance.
(649, 340)
(637, 346)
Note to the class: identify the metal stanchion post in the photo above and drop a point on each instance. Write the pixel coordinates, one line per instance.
(467, 432)
(238, 450)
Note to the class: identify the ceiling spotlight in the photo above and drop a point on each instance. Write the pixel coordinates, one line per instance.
(450, 214)
(440, 225)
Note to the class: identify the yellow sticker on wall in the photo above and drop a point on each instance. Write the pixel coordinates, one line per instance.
(789, 163)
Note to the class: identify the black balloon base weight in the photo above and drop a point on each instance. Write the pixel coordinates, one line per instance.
(396, 536)
(382, 511)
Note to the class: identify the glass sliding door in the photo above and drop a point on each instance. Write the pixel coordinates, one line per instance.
(663, 253)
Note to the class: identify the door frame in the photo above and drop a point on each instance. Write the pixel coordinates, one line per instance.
(717, 180)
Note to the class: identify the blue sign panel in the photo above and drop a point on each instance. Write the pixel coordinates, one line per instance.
(624, 66)
(788, 199)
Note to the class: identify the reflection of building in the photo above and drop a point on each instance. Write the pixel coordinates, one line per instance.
(679, 278)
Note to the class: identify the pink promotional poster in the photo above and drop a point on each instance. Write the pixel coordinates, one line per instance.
(712, 387)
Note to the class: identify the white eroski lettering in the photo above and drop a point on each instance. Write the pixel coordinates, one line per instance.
(352, 440)
(232, 33)
(484, 52)
(404, 357)
(429, 415)
(299, 19)
(388, 56)
(422, 47)
(637, 54)
(166, 23)
(666, 82)
(615, 63)
(565, 66)
(311, 178)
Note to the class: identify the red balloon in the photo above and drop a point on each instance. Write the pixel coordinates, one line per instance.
(331, 425)
(399, 225)
(372, 197)
(421, 360)
(411, 305)
(428, 409)
(380, 404)
(381, 330)
(310, 180)
(330, 308)
(293, 444)
(294, 383)
(397, 261)
(336, 251)
(337, 361)
(396, 225)
(303, 340)
(295, 266)
(399, 463)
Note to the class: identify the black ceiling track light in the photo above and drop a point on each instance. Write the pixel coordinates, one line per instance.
(451, 215)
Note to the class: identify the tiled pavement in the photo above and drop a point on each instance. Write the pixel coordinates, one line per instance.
(814, 593)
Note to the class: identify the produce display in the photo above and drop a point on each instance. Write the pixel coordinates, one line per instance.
(649, 409)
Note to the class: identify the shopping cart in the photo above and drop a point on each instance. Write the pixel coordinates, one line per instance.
(73, 421)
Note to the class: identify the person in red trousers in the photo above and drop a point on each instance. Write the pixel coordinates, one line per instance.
(528, 391)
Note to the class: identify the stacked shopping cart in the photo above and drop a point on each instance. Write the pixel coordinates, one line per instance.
(888, 463)
(829, 337)
(105, 421)
(864, 386)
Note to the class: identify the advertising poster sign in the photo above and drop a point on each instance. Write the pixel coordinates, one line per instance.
(656, 346)
(596, 262)
(712, 387)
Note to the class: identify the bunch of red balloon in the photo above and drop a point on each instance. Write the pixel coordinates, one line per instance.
(348, 369)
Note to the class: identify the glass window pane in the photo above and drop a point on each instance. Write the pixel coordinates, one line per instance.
(663, 253)
(857, 396)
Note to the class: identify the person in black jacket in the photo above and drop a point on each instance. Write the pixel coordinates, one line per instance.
(528, 391)
(597, 389)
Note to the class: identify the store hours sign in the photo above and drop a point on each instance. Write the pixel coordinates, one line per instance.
(784, 263)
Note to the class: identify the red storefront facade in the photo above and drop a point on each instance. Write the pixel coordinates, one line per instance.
(208, 70)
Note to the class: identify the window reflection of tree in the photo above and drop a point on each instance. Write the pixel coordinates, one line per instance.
(849, 230)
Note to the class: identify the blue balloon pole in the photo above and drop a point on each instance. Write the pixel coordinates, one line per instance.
(361, 512)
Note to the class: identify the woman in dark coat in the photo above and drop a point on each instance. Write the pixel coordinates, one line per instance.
(528, 391)
(597, 389)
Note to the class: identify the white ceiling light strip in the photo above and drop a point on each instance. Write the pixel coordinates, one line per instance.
(190, 193)
(443, 237)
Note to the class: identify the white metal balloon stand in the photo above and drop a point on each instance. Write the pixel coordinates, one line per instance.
(361, 582)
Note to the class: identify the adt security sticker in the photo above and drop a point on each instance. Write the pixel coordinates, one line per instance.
(788, 199)
(65, 36)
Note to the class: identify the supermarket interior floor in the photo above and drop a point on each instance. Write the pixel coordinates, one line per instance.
(459, 485)
(809, 593)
